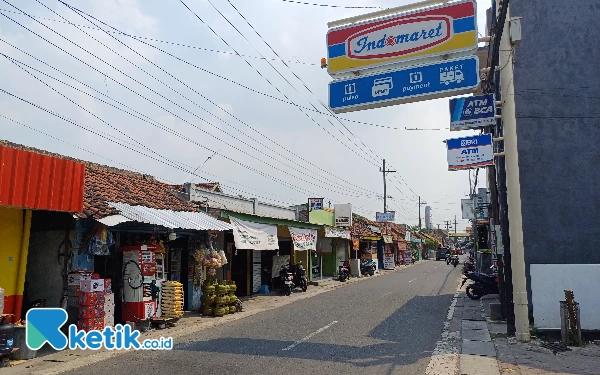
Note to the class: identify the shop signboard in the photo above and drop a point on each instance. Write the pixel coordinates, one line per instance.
(407, 236)
(337, 233)
(472, 112)
(387, 238)
(405, 85)
(315, 204)
(467, 209)
(343, 215)
(470, 152)
(388, 261)
(482, 204)
(384, 217)
(430, 33)
(304, 239)
(254, 236)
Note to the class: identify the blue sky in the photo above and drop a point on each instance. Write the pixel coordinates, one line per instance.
(320, 158)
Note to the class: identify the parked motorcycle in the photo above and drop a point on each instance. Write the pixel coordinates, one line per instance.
(287, 279)
(300, 277)
(343, 273)
(468, 266)
(367, 267)
(483, 284)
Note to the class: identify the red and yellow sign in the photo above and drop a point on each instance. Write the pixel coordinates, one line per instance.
(438, 31)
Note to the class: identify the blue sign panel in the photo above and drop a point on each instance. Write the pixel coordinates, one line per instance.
(472, 112)
(470, 152)
(417, 83)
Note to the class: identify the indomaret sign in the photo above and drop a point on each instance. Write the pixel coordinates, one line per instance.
(449, 29)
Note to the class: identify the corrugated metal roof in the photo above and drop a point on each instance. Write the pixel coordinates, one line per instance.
(36, 181)
(170, 219)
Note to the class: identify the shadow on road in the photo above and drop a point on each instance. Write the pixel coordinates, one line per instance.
(411, 333)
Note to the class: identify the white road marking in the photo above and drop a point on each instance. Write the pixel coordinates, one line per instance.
(311, 335)
(412, 280)
(445, 357)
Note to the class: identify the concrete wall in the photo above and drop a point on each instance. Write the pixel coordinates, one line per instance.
(556, 84)
(44, 272)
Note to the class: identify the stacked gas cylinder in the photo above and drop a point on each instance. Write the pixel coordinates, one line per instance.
(171, 304)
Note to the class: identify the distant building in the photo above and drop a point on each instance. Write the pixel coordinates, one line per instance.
(428, 224)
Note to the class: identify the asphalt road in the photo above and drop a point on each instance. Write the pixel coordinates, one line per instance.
(387, 325)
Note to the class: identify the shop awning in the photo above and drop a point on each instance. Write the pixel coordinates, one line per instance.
(165, 218)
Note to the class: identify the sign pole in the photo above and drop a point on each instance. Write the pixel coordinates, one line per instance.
(513, 188)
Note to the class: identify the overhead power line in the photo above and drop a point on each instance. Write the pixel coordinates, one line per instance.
(330, 5)
(111, 139)
(259, 73)
(159, 40)
(377, 157)
(341, 190)
(140, 39)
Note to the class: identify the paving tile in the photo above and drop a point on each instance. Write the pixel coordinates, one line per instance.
(481, 348)
(470, 324)
(476, 335)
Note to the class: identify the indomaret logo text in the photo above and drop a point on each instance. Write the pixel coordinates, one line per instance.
(400, 37)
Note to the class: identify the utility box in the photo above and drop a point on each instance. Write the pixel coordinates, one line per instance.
(515, 30)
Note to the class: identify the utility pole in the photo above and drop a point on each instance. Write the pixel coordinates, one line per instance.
(420, 204)
(513, 188)
(448, 222)
(455, 224)
(438, 227)
(329, 203)
(385, 188)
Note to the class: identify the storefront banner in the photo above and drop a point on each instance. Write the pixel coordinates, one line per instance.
(337, 233)
(387, 238)
(254, 236)
(388, 261)
(304, 239)
(278, 262)
(356, 244)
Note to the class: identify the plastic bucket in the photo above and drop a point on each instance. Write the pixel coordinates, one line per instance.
(24, 352)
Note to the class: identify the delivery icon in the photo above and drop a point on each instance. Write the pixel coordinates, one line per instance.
(382, 86)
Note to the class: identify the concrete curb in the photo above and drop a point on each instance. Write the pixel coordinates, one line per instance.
(69, 360)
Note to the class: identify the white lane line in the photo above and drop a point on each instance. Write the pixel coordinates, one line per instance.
(311, 335)
(412, 280)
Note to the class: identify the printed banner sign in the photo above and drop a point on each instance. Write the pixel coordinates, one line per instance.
(315, 204)
(472, 112)
(356, 244)
(429, 33)
(470, 152)
(383, 217)
(388, 261)
(304, 239)
(254, 236)
(337, 233)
